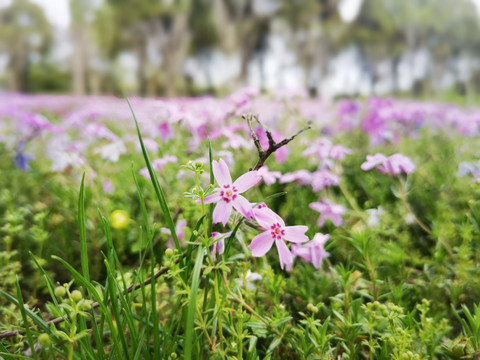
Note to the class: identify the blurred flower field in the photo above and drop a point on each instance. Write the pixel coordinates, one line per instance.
(202, 235)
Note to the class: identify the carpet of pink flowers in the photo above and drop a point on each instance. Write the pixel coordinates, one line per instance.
(358, 239)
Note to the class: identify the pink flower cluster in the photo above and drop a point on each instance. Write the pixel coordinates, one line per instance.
(392, 165)
(228, 196)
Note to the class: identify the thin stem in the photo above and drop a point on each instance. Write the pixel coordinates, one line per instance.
(417, 220)
(219, 308)
(202, 321)
(248, 308)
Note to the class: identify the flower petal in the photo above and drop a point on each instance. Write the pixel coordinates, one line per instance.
(247, 180)
(296, 233)
(261, 244)
(284, 255)
(221, 172)
(222, 212)
(215, 197)
(243, 206)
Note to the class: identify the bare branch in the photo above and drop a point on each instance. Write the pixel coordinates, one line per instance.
(272, 145)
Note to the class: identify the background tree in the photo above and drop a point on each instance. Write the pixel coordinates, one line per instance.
(25, 33)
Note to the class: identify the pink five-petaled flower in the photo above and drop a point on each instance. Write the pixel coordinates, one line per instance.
(227, 195)
(328, 210)
(313, 251)
(393, 165)
(276, 231)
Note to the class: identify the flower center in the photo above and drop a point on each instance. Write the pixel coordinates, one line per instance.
(228, 193)
(277, 231)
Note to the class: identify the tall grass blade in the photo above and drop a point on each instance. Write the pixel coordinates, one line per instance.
(23, 311)
(81, 226)
(158, 189)
(192, 304)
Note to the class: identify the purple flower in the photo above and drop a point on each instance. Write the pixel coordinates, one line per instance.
(276, 231)
(165, 130)
(393, 165)
(328, 210)
(218, 246)
(227, 195)
(22, 159)
(313, 251)
(108, 186)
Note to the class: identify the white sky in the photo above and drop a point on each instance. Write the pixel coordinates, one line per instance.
(57, 11)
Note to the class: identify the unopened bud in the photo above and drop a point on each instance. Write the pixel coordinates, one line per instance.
(76, 295)
(44, 340)
(60, 291)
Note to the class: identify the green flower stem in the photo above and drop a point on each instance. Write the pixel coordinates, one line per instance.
(220, 308)
(207, 246)
(248, 307)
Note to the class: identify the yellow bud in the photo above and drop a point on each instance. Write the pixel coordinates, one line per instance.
(119, 219)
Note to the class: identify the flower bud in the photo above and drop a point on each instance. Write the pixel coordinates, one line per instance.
(60, 291)
(87, 305)
(76, 295)
(44, 340)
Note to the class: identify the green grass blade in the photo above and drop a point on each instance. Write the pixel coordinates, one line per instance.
(189, 335)
(230, 239)
(154, 314)
(83, 234)
(142, 206)
(212, 181)
(113, 287)
(23, 311)
(158, 189)
(31, 314)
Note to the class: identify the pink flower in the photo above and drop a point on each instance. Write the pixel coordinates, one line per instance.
(227, 195)
(165, 130)
(328, 210)
(373, 161)
(270, 177)
(180, 227)
(218, 247)
(393, 165)
(338, 152)
(313, 251)
(397, 164)
(276, 231)
(324, 178)
(303, 177)
(158, 165)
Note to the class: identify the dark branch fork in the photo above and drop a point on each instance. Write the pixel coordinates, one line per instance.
(272, 145)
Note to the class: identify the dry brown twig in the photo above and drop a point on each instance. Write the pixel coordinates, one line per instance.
(273, 146)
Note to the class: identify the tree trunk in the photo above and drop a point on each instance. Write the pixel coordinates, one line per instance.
(78, 60)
